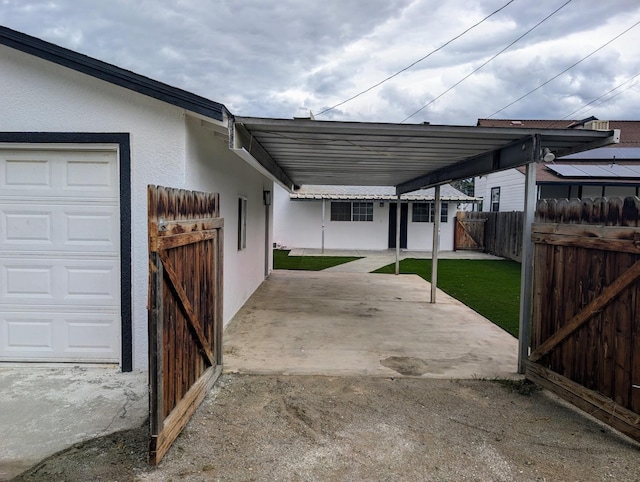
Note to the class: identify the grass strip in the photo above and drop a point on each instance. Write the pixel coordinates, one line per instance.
(492, 288)
(282, 260)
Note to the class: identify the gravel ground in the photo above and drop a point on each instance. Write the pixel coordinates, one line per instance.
(295, 428)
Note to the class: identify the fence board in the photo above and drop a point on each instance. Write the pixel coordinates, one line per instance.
(498, 233)
(185, 314)
(586, 314)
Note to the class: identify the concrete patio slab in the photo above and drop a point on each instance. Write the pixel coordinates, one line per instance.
(45, 409)
(337, 323)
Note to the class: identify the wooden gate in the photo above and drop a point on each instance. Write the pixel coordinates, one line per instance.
(185, 308)
(468, 232)
(585, 332)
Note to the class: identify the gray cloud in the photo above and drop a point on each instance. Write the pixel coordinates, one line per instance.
(284, 58)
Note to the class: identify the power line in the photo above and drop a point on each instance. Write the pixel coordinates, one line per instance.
(564, 71)
(485, 63)
(416, 62)
(598, 98)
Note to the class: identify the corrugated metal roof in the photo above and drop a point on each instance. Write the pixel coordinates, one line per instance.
(378, 193)
(408, 156)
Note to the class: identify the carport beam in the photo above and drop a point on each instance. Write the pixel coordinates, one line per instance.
(436, 243)
(398, 235)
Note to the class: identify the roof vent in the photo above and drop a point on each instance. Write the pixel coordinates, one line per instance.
(597, 125)
(516, 122)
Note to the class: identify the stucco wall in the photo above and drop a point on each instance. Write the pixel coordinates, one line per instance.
(38, 96)
(298, 224)
(213, 167)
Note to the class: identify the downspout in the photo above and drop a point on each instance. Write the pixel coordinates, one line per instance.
(436, 244)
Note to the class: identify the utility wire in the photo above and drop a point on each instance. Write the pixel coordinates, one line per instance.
(416, 62)
(598, 98)
(564, 71)
(485, 63)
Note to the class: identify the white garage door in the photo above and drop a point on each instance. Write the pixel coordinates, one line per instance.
(59, 255)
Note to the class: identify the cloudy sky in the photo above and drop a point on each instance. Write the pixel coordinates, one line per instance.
(284, 58)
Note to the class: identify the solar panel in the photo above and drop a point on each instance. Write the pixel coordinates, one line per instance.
(566, 170)
(596, 170)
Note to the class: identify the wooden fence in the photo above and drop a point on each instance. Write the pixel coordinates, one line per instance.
(498, 233)
(585, 334)
(185, 308)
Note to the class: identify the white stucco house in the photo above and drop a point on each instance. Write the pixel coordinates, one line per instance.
(80, 140)
(602, 172)
(364, 217)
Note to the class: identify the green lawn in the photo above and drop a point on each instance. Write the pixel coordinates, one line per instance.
(282, 260)
(492, 288)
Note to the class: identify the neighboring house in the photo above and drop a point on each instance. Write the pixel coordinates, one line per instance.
(364, 217)
(603, 172)
(80, 140)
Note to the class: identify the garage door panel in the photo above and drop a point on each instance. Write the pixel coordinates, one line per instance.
(25, 173)
(76, 174)
(29, 333)
(59, 254)
(60, 282)
(58, 336)
(62, 228)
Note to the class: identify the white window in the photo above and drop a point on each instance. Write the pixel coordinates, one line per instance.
(425, 212)
(495, 199)
(351, 211)
(363, 211)
(242, 223)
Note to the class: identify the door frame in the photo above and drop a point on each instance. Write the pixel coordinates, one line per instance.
(404, 222)
(123, 151)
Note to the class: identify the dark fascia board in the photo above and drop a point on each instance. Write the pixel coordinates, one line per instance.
(514, 154)
(111, 73)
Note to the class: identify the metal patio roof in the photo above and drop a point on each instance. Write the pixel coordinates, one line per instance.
(406, 156)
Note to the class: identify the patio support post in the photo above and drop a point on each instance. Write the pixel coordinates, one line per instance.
(398, 235)
(526, 276)
(322, 225)
(436, 244)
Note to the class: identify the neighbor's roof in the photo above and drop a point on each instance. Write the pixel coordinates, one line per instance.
(378, 193)
(111, 73)
(629, 129)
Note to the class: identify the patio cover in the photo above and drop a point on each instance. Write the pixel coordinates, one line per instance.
(407, 156)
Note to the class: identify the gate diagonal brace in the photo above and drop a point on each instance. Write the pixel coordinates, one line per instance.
(185, 304)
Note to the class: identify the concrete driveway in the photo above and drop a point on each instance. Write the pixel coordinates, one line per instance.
(47, 408)
(341, 323)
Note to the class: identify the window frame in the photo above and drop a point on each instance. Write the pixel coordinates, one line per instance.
(494, 200)
(242, 223)
(428, 214)
(363, 212)
(339, 213)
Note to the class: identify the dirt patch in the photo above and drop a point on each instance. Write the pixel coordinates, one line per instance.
(332, 428)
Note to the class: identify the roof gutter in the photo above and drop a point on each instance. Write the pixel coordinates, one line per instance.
(242, 143)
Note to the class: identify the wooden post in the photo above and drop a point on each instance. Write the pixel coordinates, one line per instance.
(436, 244)
(526, 274)
(398, 235)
